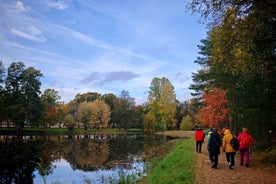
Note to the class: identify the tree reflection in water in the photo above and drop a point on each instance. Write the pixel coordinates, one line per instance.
(72, 159)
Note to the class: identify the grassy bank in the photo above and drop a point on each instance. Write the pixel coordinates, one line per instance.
(176, 167)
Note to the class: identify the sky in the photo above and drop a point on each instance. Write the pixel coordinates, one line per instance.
(102, 46)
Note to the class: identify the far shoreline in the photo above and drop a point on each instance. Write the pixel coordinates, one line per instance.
(64, 131)
(81, 131)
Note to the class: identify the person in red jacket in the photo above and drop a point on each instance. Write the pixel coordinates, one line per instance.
(245, 140)
(199, 138)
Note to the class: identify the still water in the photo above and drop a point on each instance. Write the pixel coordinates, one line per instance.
(93, 159)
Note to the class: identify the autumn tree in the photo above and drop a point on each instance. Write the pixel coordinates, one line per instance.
(67, 115)
(100, 114)
(50, 99)
(79, 98)
(84, 113)
(94, 114)
(215, 112)
(162, 103)
(69, 122)
(150, 123)
(61, 112)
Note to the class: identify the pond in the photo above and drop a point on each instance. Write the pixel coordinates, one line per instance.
(93, 159)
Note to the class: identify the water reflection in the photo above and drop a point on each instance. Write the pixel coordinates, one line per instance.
(73, 159)
(65, 174)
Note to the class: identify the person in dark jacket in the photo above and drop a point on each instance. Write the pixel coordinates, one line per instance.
(213, 146)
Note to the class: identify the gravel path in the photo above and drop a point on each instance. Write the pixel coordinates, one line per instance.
(255, 174)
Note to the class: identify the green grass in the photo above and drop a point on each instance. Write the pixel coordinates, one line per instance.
(178, 166)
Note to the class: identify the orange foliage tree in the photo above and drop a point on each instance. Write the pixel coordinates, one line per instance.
(215, 112)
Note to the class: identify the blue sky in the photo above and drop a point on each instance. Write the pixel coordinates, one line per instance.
(103, 46)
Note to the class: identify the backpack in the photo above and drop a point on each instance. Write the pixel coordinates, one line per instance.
(234, 142)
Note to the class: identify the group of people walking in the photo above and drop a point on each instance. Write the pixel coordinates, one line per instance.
(218, 141)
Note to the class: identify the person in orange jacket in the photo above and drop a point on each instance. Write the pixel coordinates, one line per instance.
(199, 138)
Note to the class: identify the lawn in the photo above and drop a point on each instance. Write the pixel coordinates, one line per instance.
(175, 167)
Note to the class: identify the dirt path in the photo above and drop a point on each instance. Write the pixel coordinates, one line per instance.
(256, 173)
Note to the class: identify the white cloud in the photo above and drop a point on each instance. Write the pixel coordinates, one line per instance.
(111, 53)
(34, 30)
(109, 77)
(60, 5)
(20, 6)
(28, 36)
